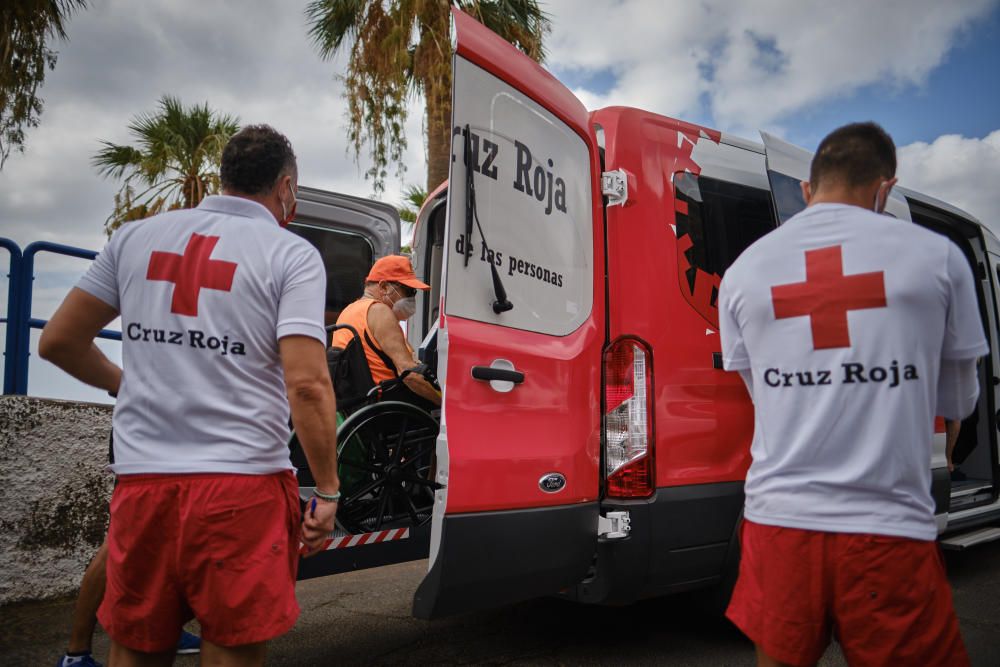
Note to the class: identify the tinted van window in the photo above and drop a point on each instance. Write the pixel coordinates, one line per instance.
(787, 195)
(347, 257)
(716, 221)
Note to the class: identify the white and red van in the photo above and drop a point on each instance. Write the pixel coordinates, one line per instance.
(590, 444)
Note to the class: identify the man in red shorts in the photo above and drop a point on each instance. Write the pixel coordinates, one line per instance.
(852, 330)
(222, 322)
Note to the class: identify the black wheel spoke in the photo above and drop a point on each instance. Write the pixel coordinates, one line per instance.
(412, 509)
(399, 442)
(418, 457)
(380, 515)
(414, 479)
(367, 488)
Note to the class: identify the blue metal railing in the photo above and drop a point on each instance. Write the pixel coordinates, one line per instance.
(19, 320)
(12, 319)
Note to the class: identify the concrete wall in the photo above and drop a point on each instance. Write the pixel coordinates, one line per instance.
(54, 494)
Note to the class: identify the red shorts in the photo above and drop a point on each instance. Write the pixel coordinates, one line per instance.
(216, 547)
(885, 599)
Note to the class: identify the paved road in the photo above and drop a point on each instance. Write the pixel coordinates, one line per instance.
(364, 619)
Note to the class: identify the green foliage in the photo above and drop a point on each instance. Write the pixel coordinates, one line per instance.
(173, 164)
(398, 48)
(26, 26)
(414, 197)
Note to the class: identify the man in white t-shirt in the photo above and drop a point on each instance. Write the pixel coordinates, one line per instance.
(852, 330)
(222, 322)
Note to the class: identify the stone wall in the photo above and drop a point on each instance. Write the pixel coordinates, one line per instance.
(54, 494)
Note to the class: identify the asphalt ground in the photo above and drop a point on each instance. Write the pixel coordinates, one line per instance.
(363, 618)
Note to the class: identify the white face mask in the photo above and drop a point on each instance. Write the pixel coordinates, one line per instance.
(405, 308)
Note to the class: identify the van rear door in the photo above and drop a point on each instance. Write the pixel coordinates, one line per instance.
(520, 340)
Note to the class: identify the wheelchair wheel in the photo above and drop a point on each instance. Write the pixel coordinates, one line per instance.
(385, 456)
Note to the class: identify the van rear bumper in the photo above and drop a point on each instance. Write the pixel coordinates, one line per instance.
(682, 538)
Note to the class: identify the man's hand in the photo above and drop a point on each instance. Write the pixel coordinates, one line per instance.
(317, 524)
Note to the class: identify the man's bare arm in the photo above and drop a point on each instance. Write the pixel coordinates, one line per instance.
(314, 416)
(68, 340)
(388, 336)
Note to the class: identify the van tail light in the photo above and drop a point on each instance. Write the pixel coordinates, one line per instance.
(628, 420)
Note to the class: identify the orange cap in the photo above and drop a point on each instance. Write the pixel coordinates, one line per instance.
(397, 269)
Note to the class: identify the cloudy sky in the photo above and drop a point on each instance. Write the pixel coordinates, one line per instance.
(925, 69)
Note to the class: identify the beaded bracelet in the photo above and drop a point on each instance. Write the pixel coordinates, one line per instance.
(334, 498)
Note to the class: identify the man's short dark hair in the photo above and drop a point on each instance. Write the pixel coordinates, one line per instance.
(854, 155)
(254, 159)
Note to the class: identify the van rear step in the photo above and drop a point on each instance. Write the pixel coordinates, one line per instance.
(966, 540)
(347, 553)
(970, 493)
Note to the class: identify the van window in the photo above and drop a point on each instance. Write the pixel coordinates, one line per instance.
(532, 204)
(347, 258)
(788, 197)
(716, 221)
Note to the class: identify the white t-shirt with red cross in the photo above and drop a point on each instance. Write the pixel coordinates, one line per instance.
(205, 294)
(843, 317)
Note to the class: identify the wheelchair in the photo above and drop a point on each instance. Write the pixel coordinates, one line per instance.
(385, 455)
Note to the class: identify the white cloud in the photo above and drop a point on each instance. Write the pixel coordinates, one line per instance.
(747, 65)
(959, 170)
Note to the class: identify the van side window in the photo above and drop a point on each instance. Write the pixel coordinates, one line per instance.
(716, 221)
(787, 195)
(347, 258)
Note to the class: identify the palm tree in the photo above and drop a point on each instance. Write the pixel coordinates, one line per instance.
(414, 197)
(386, 67)
(25, 28)
(174, 163)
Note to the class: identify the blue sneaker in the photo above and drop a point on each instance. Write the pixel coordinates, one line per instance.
(188, 644)
(85, 660)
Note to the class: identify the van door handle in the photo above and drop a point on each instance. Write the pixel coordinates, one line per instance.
(501, 375)
(491, 373)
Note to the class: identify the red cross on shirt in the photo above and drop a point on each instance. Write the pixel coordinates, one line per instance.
(191, 272)
(827, 295)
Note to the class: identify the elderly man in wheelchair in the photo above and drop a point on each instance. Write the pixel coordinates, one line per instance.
(387, 408)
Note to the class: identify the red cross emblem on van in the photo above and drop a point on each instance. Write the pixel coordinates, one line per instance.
(827, 295)
(191, 272)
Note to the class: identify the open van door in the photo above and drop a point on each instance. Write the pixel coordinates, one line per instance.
(350, 234)
(520, 338)
(788, 165)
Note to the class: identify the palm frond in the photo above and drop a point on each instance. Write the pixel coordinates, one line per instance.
(175, 159)
(333, 21)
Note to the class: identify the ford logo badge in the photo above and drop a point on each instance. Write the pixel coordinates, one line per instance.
(552, 482)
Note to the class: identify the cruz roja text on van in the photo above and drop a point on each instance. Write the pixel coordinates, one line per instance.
(530, 175)
(850, 373)
(191, 337)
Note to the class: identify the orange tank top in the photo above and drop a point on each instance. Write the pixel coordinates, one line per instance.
(356, 314)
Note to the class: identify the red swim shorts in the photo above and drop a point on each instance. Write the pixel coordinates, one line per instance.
(216, 547)
(885, 599)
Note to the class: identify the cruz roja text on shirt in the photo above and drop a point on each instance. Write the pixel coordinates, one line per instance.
(191, 337)
(848, 373)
